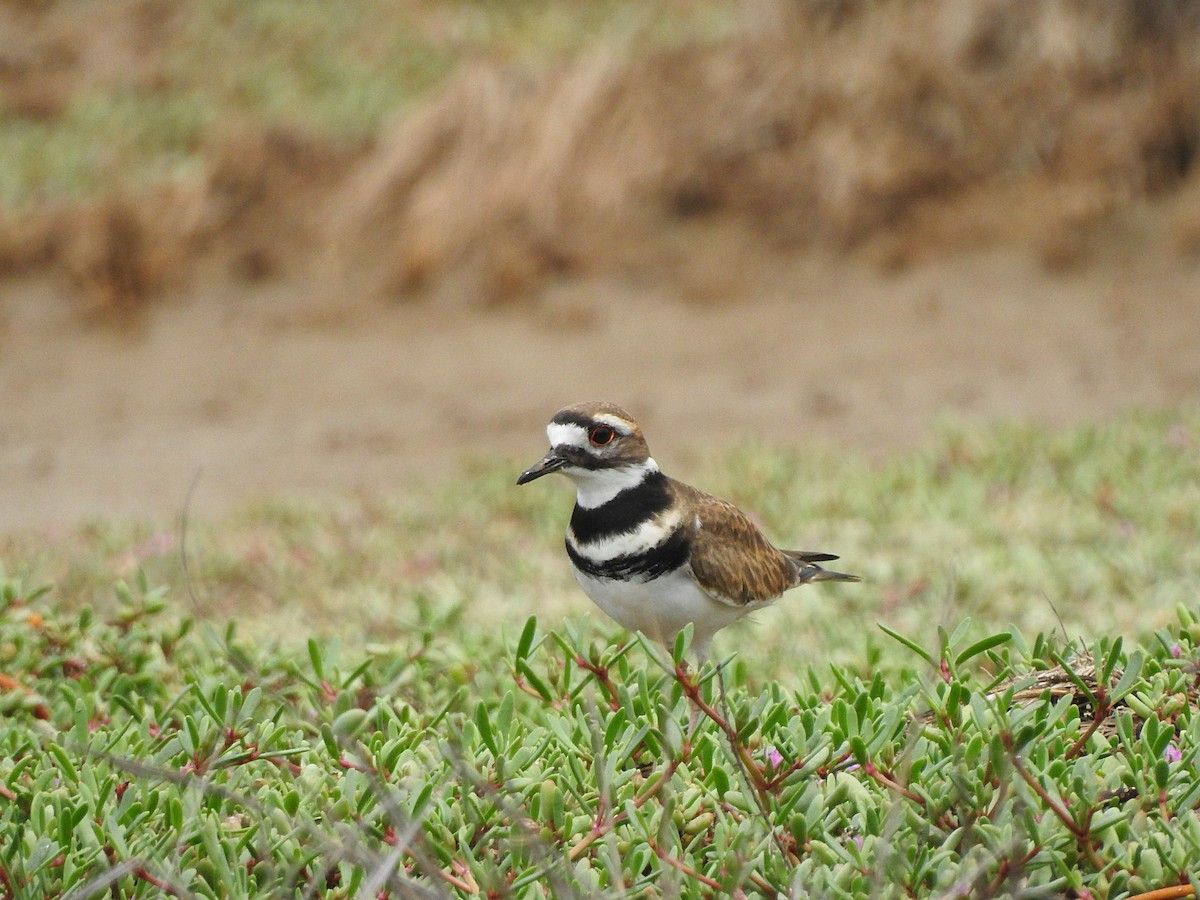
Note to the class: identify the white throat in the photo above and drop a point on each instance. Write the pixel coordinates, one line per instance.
(595, 487)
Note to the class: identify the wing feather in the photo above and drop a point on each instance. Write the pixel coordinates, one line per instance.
(731, 559)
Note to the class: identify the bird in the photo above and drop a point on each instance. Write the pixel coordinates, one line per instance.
(656, 554)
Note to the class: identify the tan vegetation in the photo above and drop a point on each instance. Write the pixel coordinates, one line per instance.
(902, 129)
(909, 129)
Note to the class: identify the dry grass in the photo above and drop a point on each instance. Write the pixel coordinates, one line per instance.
(906, 129)
(902, 130)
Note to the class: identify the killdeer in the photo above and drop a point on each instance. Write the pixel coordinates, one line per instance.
(652, 552)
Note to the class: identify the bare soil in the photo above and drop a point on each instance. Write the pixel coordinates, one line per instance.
(274, 391)
(836, 226)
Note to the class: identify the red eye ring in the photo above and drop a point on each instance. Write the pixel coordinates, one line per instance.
(600, 435)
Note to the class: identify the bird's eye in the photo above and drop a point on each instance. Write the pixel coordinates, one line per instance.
(601, 435)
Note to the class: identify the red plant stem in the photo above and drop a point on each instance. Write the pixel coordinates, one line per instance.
(683, 867)
(780, 776)
(522, 686)
(603, 826)
(458, 883)
(1055, 807)
(600, 673)
(1081, 833)
(692, 691)
(466, 882)
(1007, 865)
(894, 785)
(762, 884)
(164, 886)
(1099, 714)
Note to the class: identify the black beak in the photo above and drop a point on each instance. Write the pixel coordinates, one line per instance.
(547, 464)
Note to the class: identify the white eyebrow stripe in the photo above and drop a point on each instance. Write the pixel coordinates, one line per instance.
(621, 425)
(575, 435)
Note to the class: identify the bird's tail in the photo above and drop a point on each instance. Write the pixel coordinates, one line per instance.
(807, 569)
(816, 573)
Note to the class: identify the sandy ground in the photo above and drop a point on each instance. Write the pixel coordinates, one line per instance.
(275, 390)
(627, 223)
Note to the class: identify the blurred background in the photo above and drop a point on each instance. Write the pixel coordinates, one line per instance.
(303, 247)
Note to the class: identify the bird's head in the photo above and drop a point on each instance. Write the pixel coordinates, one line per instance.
(598, 446)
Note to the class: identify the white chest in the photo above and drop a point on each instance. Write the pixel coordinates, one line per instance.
(659, 608)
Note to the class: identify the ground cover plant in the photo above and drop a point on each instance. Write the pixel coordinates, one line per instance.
(148, 748)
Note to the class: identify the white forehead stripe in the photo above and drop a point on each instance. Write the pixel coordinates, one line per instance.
(571, 433)
(621, 426)
(575, 435)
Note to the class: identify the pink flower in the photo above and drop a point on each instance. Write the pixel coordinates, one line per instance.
(1176, 651)
(1172, 754)
(774, 758)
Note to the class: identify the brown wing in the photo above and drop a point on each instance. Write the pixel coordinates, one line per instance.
(730, 558)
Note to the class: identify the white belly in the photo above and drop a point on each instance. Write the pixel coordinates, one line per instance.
(661, 607)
